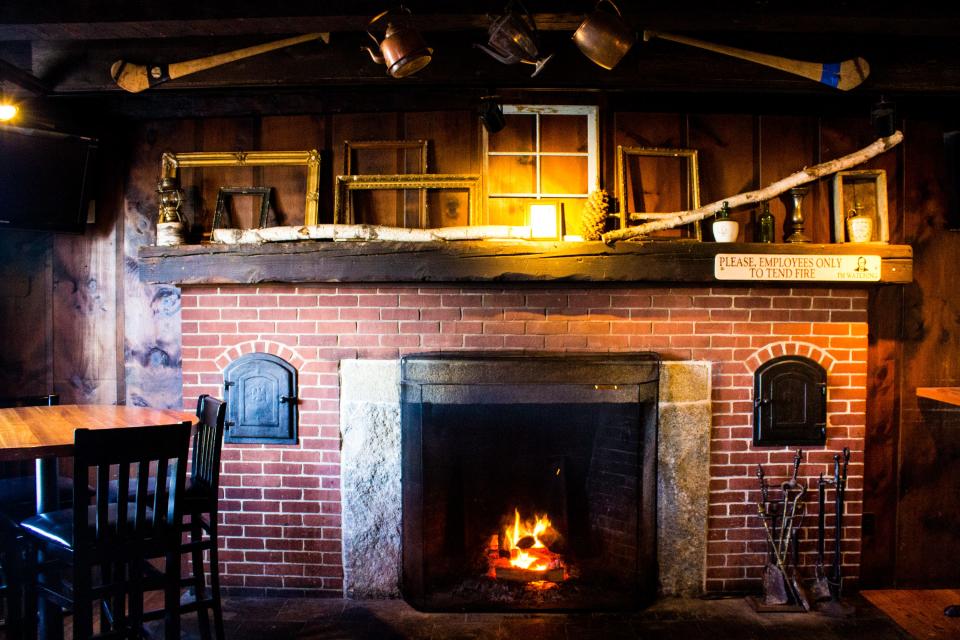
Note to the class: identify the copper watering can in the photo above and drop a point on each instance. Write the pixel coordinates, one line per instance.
(604, 37)
(512, 38)
(403, 50)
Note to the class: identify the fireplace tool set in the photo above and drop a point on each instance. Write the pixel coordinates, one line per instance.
(782, 517)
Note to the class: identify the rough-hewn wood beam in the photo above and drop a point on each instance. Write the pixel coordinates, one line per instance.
(662, 262)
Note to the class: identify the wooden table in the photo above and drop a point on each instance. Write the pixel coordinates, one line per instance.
(43, 433)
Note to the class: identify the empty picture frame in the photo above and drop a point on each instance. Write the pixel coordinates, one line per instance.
(668, 181)
(863, 191)
(343, 212)
(418, 146)
(225, 195)
(171, 163)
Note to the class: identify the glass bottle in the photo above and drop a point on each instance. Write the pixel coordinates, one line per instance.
(766, 225)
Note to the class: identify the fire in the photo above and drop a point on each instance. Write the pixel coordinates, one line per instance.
(521, 554)
(513, 535)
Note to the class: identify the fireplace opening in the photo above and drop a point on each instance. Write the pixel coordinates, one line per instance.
(529, 481)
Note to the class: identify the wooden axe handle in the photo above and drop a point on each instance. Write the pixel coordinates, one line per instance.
(180, 69)
(136, 78)
(841, 75)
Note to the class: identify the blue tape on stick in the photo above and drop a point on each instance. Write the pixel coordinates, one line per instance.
(830, 74)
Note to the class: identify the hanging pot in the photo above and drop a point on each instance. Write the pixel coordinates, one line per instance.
(512, 38)
(403, 50)
(604, 37)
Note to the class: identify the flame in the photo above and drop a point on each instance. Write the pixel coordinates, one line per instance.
(519, 557)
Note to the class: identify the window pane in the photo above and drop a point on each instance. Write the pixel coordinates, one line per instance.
(512, 211)
(513, 174)
(572, 214)
(563, 133)
(518, 135)
(563, 174)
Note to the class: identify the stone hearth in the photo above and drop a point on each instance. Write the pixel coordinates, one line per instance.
(370, 471)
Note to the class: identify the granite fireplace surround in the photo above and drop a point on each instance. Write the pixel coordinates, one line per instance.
(322, 517)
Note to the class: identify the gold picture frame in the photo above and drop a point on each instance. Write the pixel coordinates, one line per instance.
(171, 163)
(343, 213)
(863, 191)
(691, 170)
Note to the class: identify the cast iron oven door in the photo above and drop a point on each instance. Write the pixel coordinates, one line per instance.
(790, 403)
(261, 394)
(529, 481)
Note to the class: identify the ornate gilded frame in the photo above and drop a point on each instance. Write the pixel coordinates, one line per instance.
(622, 179)
(170, 163)
(343, 213)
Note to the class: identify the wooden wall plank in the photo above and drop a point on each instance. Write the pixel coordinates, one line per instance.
(84, 316)
(292, 133)
(25, 318)
(151, 313)
(787, 144)
(453, 138)
(725, 145)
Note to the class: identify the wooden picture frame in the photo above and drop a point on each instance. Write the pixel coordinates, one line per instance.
(690, 171)
(171, 163)
(226, 193)
(343, 212)
(864, 191)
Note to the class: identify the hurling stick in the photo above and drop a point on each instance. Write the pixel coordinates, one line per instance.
(137, 77)
(841, 75)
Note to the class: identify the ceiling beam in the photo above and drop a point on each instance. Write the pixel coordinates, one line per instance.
(946, 24)
(16, 75)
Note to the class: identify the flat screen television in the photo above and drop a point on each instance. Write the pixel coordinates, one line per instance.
(46, 179)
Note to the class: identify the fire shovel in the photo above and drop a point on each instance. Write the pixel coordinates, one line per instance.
(820, 589)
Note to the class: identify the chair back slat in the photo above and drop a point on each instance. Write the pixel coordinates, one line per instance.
(160, 453)
(207, 445)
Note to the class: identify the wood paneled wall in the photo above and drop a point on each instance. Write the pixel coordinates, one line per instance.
(78, 320)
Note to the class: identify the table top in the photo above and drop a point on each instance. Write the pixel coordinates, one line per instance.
(950, 395)
(33, 432)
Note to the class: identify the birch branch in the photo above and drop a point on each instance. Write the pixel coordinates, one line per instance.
(368, 232)
(805, 175)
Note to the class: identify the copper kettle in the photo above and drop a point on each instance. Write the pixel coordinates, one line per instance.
(512, 38)
(403, 50)
(604, 37)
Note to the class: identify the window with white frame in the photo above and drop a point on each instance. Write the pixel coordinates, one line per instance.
(544, 153)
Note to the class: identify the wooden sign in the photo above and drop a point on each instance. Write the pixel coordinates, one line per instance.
(774, 267)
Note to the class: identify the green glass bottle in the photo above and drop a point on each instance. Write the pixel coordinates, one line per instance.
(766, 225)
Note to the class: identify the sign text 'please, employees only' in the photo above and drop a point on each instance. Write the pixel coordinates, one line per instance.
(762, 266)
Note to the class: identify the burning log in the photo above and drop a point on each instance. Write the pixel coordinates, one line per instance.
(528, 575)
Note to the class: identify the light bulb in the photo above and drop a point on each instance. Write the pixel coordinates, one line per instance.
(7, 112)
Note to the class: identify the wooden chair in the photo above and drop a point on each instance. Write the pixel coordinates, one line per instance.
(200, 512)
(18, 499)
(99, 552)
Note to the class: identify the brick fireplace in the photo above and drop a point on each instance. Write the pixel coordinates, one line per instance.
(281, 506)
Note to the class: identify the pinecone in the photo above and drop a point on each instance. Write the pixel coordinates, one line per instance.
(594, 218)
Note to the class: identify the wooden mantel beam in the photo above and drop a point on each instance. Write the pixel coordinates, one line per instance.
(653, 262)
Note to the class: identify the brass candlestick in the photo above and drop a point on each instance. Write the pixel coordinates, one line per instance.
(793, 229)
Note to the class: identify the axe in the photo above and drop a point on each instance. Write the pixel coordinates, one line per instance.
(137, 77)
(841, 75)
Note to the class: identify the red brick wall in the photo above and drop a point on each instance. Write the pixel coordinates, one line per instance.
(280, 506)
